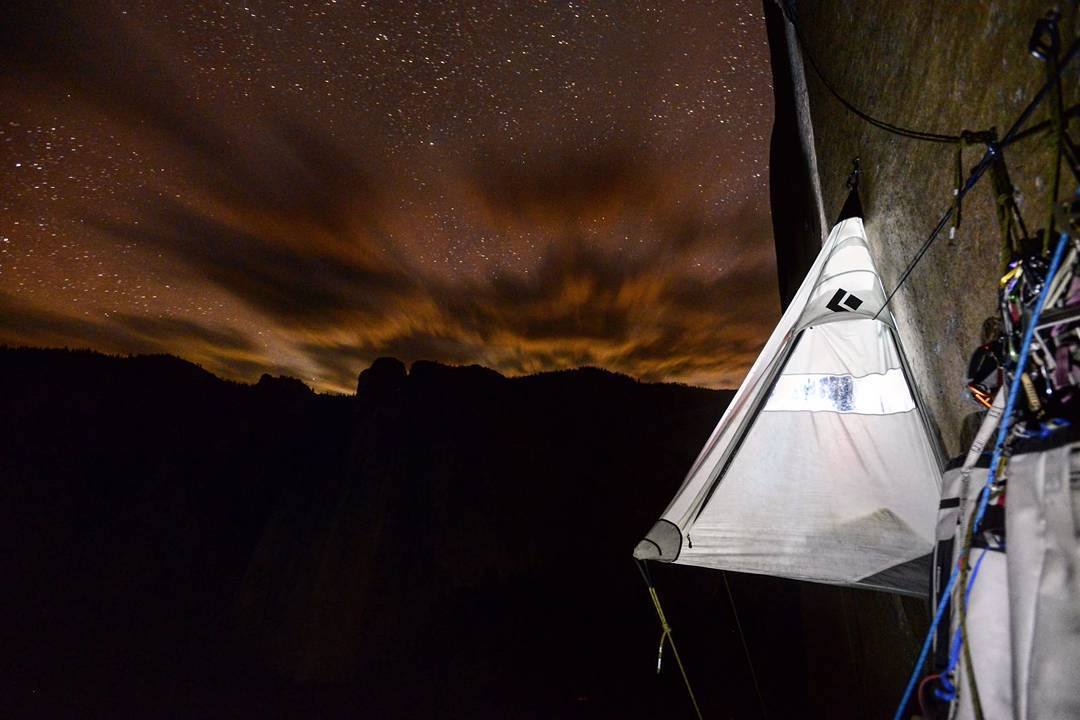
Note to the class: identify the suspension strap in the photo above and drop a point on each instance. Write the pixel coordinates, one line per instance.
(666, 636)
(958, 216)
(963, 592)
(965, 139)
(1010, 221)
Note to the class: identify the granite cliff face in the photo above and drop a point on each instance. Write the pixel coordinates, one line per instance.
(939, 67)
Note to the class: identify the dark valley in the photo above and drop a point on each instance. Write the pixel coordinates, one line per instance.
(447, 543)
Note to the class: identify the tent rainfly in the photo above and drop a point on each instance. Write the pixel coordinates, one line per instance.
(822, 468)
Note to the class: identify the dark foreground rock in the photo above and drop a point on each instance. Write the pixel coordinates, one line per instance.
(448, 543)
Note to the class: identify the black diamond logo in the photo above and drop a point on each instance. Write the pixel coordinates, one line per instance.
(843, 301)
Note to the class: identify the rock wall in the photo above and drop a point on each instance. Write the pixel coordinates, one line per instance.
(945, 68)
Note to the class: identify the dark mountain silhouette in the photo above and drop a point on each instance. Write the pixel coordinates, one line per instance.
(449, 542)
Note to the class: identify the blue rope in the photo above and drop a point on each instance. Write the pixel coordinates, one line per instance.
(926, 645)
(1029, 333)
(957, 641)
(1003, 432)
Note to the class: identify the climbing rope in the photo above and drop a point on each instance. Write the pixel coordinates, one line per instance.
(959, 641)
(667, 637)
(878, 123)
(945, 594)
(995, 461)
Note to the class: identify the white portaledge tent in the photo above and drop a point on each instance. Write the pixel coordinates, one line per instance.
(823, 467)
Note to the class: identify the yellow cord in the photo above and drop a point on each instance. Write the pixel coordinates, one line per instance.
(665, 634)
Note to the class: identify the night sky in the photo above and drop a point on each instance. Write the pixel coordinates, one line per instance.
(302, 187)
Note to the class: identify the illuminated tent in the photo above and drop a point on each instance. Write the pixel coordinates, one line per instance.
(822, 468)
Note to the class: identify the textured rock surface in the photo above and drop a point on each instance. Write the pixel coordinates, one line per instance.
(941, 67)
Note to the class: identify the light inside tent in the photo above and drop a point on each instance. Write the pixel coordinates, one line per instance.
(876, 394)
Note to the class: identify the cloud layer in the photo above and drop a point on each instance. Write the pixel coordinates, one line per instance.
(311, 249)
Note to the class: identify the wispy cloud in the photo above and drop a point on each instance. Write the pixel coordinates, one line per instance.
(312, 233)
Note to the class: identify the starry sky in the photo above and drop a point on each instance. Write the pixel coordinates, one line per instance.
(301, 187)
